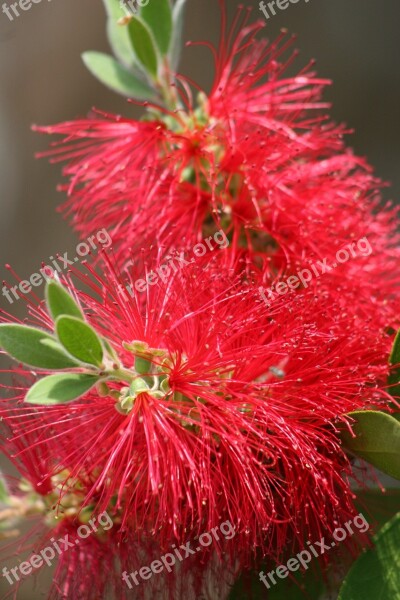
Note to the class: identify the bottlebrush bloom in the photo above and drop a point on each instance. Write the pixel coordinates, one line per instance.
(231, 416)
(92, 557)
(80, 561)
(176, 399)
(257, 157)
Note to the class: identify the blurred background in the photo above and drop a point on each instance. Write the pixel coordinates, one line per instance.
(43, 81)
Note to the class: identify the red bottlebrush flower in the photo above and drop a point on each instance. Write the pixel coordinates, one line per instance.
(257, 158)
(234, 417)
(87, 568)
(92, 557)
(111, 561)
(183, 400)
(83, 567)
(80, 562)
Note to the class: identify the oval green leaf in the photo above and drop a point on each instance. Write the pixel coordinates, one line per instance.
(34, 347)
(143, 45)
(394, 383)
(376, 574)
(138, 385)
(117, 34)
(176, 42)
(60, 302)
(394, 376)
(118, 38)
(110, 350)
(377, 440)
(60, 389)
(378, 506)
(114, 9)
(108, 70)
(80, 340)
(142, 365)
(4, 494)
(300, 586)
(394, 358)
(158, 16)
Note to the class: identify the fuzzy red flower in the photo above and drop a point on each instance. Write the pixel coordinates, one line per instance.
(210, 403)
(92, 560)
(257, 158)
(238, 417)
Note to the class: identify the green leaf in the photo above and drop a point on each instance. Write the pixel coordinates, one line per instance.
(378, 506)
(4, 495)
(34, 348)
(80, 340)
(176, 42)
(158, 16)
(110, 350)
(60, 389)
(142, 365)
(308, 586)
(60, 302)
(377, 440)
(119, 40)
(138, 385)
(114, 9)
(143, 45)
(107, 70)
(394, 358)
(376, 574)
(118, 35)
(394, 384)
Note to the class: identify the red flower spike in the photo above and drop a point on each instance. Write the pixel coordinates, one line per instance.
(253, 399)
(257, 158)
(220, 406)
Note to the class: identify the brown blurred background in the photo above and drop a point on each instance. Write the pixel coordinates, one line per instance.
(355, 42)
